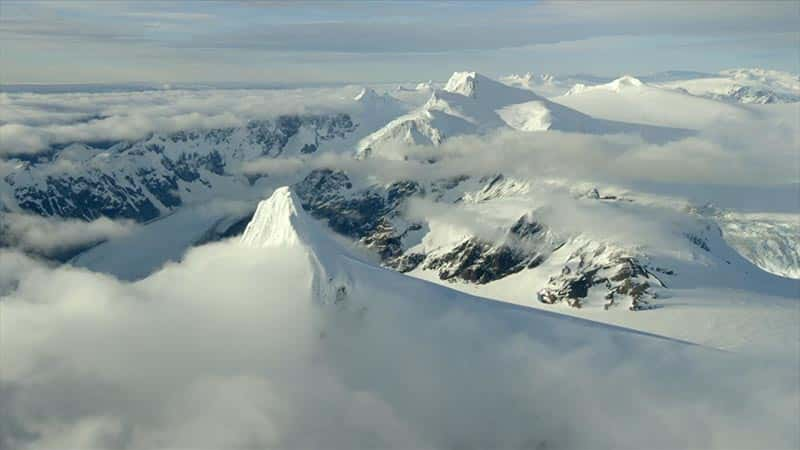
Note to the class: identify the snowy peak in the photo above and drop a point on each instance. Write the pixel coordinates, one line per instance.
(279, 221)
(366, 94)
(464, 83)
(625, 81)
(621, 84)
(486, 91)
(378, 108)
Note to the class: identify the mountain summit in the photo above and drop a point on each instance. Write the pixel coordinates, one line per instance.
(278, 221)
(486, 91)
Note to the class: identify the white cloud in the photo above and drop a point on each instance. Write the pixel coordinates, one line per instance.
(201, 355)
(54, 236)
(729, 153)
(31, 123)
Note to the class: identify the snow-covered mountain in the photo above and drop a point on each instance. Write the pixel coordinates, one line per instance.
(611, 273)
(630, 99)
(757, 86)
(345, 277)
(471, 103)
(599, 268)
(516, 229)
(551, 85)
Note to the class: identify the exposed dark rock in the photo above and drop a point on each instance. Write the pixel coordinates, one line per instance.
(401, 190)
(525, 228)
(478, 262)
(621, 276)
(698, 241)
(223, 229)
(308, 148)
(407, 262)
(88, 199)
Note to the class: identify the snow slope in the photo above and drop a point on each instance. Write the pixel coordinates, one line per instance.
(147, 248)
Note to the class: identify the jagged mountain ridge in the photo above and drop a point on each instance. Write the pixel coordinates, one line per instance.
(145, 179)
(747, 86)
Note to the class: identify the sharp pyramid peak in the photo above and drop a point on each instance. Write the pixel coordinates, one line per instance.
(464, 83)
(278, 221)
(627, 81)
(488, 92)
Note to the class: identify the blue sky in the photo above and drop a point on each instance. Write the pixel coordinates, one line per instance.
(292, 42)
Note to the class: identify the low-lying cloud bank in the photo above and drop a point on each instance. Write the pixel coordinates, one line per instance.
(229, 350)
(722, 155)
(55, 237)
(759, 150)
(32, 123)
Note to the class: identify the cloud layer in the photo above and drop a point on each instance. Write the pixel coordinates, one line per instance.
(384, 42)
(55, 237)
(31, 123)
(200, 355)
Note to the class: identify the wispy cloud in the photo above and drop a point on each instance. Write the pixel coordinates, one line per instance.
(255, 35)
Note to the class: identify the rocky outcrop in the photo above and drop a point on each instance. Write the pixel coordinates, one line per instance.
(755, 95)
(479, 262)
(622, 279)
(526, 245)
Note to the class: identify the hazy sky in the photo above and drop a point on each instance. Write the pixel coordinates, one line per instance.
(72, 41)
